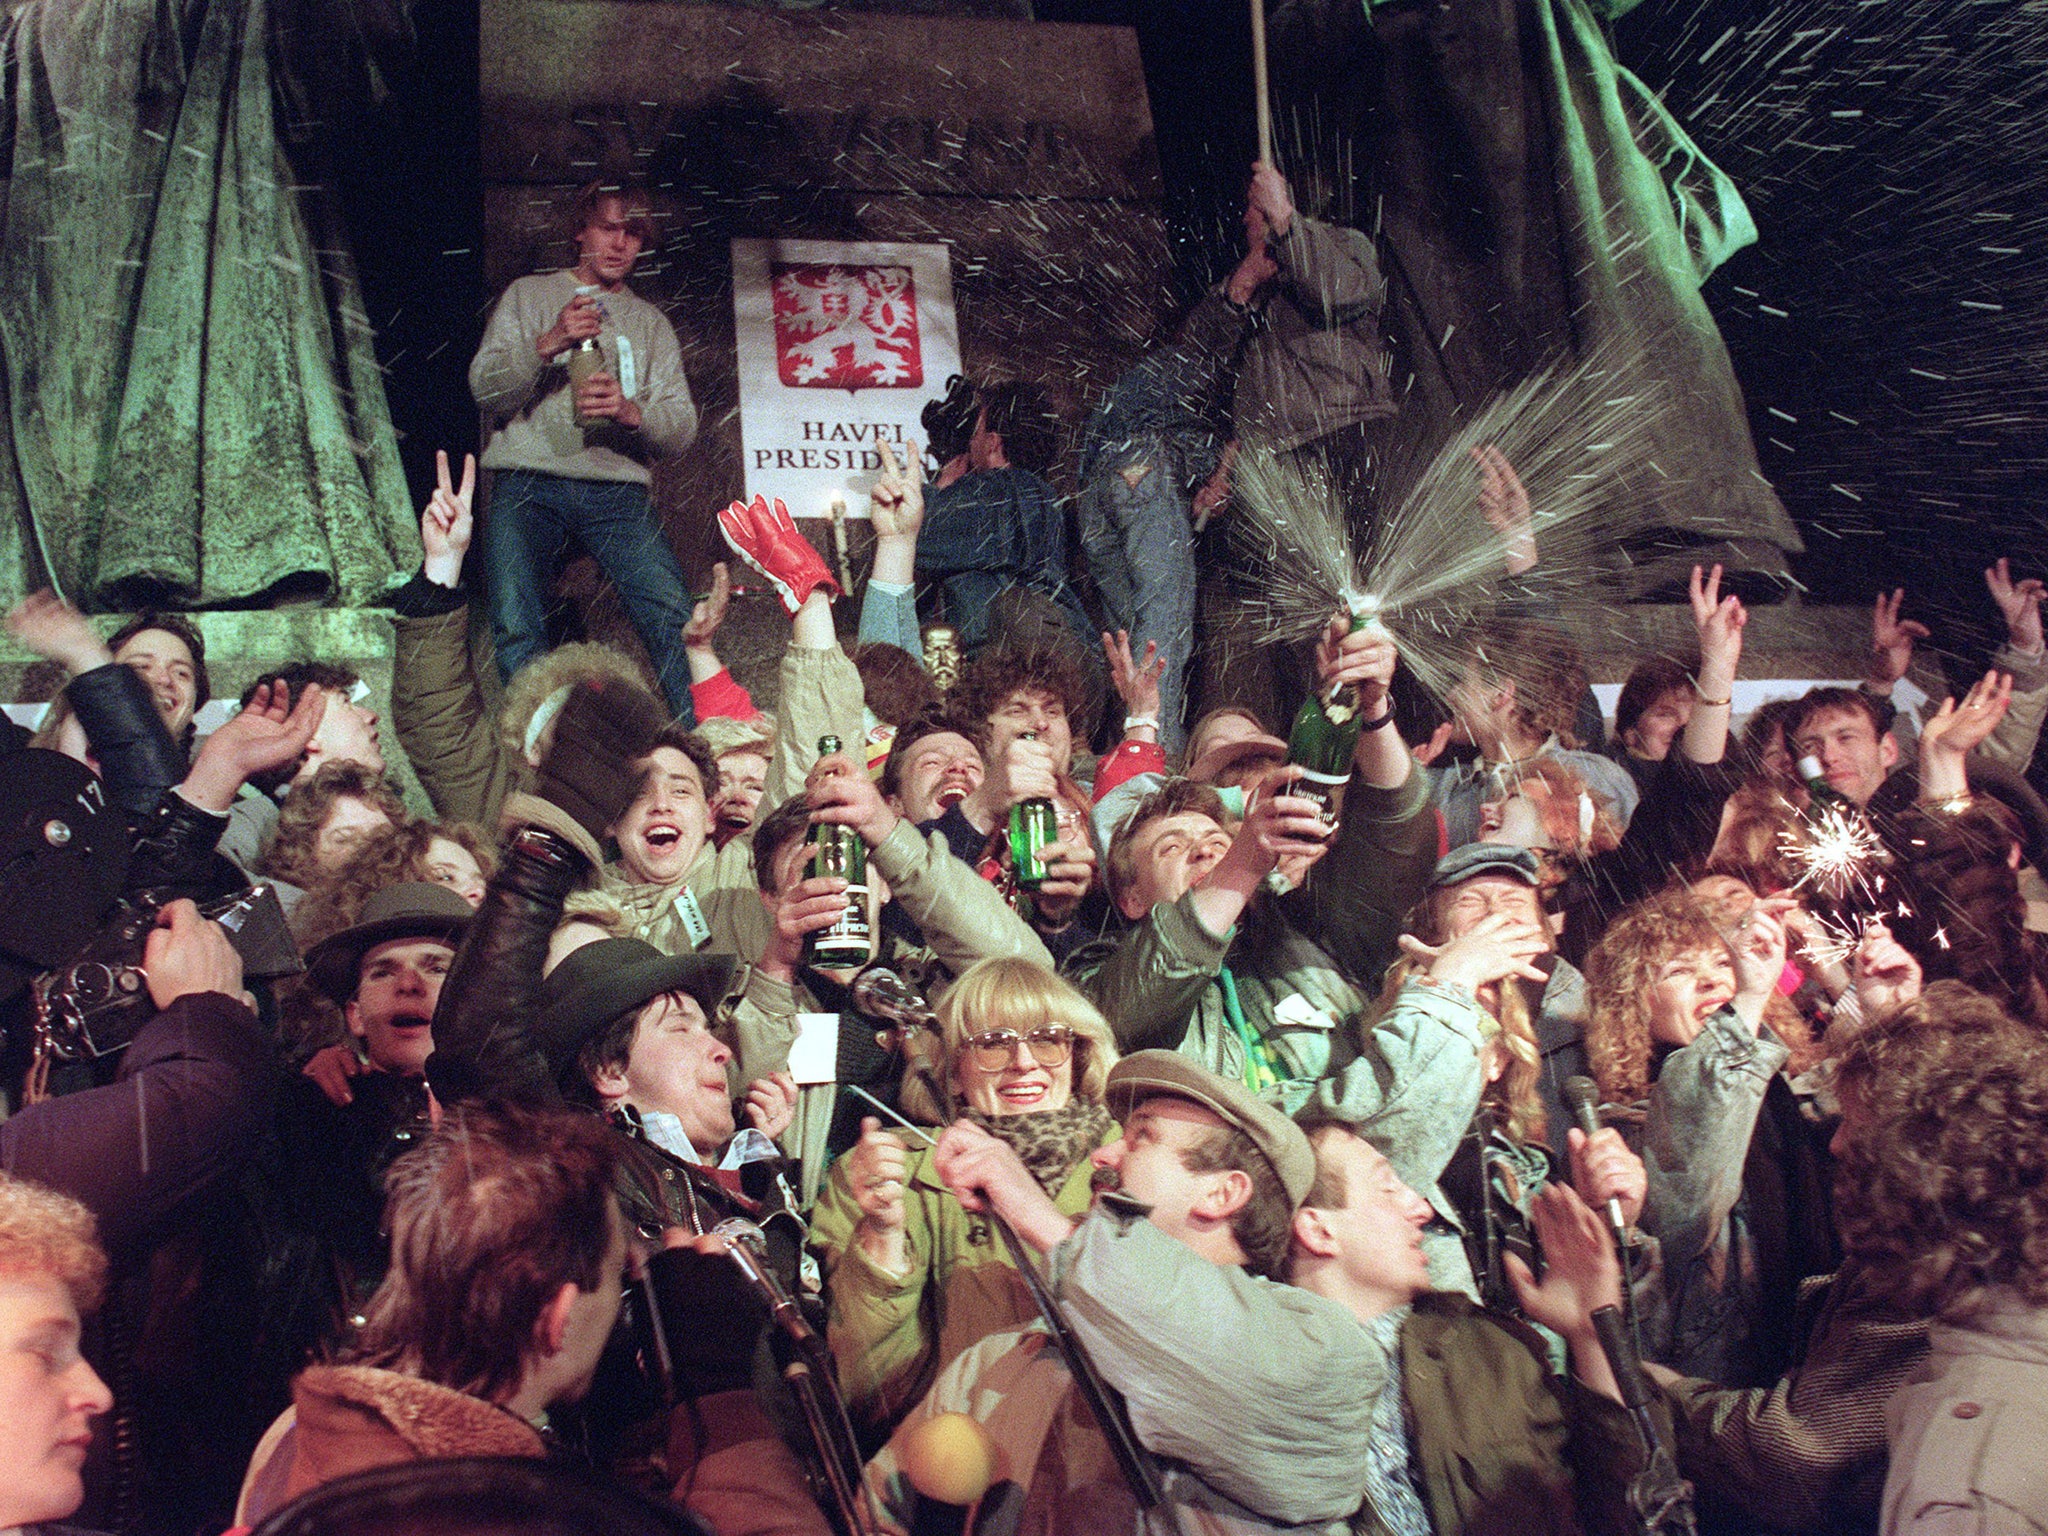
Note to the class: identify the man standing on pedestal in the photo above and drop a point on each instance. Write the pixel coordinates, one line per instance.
(584, 382)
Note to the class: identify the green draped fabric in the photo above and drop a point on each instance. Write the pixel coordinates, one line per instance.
(192, 408)
(1533, 200)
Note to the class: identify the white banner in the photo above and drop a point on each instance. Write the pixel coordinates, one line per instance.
(841, 343)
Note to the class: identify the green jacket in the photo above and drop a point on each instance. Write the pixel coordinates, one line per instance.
(1162, 984)
(891, 1334)
(444, 722)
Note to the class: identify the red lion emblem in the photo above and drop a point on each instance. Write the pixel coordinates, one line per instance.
(846, 327)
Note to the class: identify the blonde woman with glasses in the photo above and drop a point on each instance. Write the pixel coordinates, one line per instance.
(912, 1278)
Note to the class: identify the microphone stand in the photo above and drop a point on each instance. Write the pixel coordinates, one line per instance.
(811, 1381)
(1660, 1498)
(1106, 1407)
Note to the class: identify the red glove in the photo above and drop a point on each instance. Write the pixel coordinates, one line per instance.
(769, 542)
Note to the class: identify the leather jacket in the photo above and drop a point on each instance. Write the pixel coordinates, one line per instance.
(173, 850)
(484, 1044)
(138, 760)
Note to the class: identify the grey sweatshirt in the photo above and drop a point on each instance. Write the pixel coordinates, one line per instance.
(529, 400)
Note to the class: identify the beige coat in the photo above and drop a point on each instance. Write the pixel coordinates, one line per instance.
(1969, 1430)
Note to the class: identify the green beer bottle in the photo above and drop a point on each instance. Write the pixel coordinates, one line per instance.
(837, 850)
(1325, 733)
(1820, 794)
(585, 360)
(1033, 824)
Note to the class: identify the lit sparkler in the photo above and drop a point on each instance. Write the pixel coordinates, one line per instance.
(1837, 855)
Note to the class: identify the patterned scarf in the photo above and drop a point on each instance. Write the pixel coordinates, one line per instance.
(1050, 1141)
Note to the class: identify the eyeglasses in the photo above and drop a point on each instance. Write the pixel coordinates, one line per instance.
(1051, 1044)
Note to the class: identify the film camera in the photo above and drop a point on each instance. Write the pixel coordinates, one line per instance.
(72, 932)
(93, 1005)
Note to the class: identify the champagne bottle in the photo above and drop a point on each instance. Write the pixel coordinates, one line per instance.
(839, 851)
(1033, 824)
(1325, 733)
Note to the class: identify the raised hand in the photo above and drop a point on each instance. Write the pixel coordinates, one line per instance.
(1960, 729)
(1427, 752)
(1581, 1274)
(771, 1103)
(1366, 658)
(1136, 682)
(56, 631)
(267, 732)
(1883, 971)
(1891, 640)
(1719, 621)
(1269, 196)
(2020, 602)
(896, 504)
(1285, 828)
(841, 793)
(446, 523)
(1504, 503)
(763, 534)
(1495, 948)
(709, 611)
(1757, 947)
(1022, 770)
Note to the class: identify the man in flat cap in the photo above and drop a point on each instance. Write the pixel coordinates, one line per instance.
(1170, 1281)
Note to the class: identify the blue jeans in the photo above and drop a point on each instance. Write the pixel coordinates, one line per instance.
(527, 531)
(1141, 551)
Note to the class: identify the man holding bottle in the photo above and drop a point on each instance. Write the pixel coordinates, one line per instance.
(583, 381)
(1222, 967)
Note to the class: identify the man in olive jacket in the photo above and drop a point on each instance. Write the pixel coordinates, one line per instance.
(1215, 966)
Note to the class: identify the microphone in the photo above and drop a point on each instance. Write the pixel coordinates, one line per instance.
(746, 1245)
(1582, 1098)
(951, 1461)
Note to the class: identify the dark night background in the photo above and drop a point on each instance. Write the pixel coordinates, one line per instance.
(1889, 330)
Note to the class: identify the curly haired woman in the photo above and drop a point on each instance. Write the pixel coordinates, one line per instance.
(1688, 1035)
(1944, 1202)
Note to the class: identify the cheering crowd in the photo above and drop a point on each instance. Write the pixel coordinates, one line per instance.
(1222, 1161)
